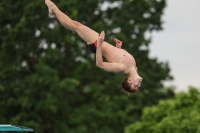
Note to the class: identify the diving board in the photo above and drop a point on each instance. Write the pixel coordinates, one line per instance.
(9, 127)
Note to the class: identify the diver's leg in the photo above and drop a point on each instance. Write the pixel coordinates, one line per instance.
(87, 34)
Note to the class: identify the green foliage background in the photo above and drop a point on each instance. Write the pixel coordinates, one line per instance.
(48, 77)
(178, 115)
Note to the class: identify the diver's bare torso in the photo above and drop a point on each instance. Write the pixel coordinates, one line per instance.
(118, 55)
(110, 52)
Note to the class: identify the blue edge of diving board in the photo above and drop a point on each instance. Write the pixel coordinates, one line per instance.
(9, 127)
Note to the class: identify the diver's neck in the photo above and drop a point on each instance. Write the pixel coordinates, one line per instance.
(132, 73)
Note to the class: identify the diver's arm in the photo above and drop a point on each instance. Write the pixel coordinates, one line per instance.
(107, 66)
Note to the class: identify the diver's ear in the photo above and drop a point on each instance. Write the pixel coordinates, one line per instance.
(129, 80)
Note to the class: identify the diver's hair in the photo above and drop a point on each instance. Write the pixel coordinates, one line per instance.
(126, 88)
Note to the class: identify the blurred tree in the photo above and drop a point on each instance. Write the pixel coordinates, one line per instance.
(178, 115)
(48, 77)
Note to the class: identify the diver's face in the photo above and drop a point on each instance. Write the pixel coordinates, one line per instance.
(135, 83)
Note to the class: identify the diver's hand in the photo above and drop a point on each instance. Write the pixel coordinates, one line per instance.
(118, 43)
(100, 38)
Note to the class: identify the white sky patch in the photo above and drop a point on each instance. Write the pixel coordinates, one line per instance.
(179, 43)
(43, 44)
(37, 33)
(143, 47)
(51, 26)
(104, 6)
(24, 63)
(116, 30)
(53, 45)
(81, 59)
(146, 15)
